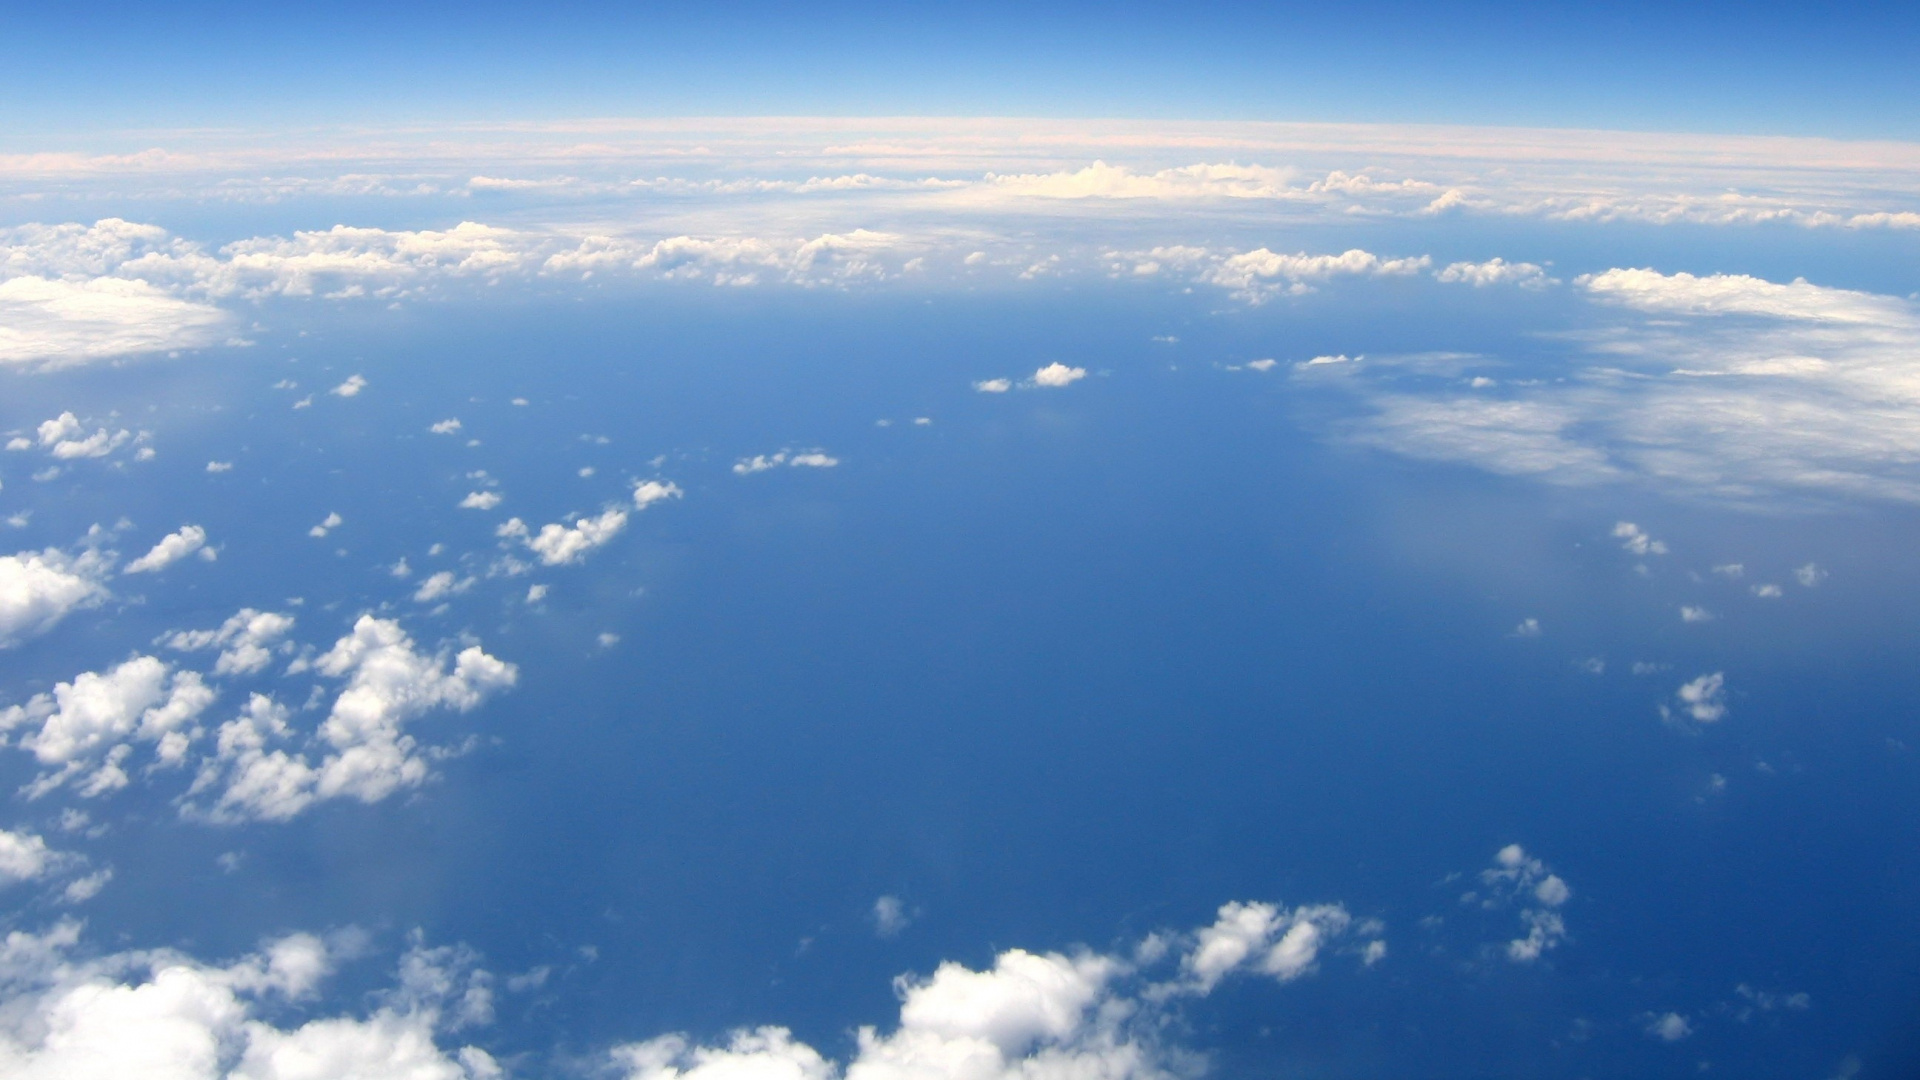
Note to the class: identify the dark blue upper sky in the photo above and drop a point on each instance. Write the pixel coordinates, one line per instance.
(1844, 70)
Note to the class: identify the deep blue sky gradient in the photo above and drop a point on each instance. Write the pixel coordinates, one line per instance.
(1845, 70)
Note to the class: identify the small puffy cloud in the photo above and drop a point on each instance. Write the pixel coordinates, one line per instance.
(758, 463)
(560, 544)
(1703, 700)
(1057, 375)
(171, 549)
(1768, 592)
(327, 524)
(67, 439)
(39, 588)
(1495, 272)
(440, 586)
(1694, 614)
(1669, 1027)
(536, 593)
(246, 641)
(91, 722)
(219, 466)
(890, 916)
(350, 388)
(993, 386)
(1810, 575)
(817, 459)
(1260, 937)
(1528, 628)
(480, 500)
(1263, 364)
(1518, 879)
(23, 857)
(446, 427)
(1635, 539)
(1731, 571)
(648, 492)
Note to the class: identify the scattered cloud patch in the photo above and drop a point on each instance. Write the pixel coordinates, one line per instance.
(171, 549)
(247, 641)
(993, 386)
(1057, 375)
(350, 388)
(40, 588)
(480, 500)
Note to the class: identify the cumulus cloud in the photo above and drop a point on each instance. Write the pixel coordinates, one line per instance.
(364, 750)
(50, 323)
(1028, 1014)
(1635, 539)
(39, 588)
(350, 388)
(1518, 880)
(648, 492)
(890, 916)
(1261, 274)
(1057, 374)
(1702, 700)
(449, 426)
(560, 544)
(171, 549)
(1260, 937)
(441, 585)
(23, 857)
(247, 641)
(1495, 272)
(88, 726)
(1669, 1027)
(818, 459)
(1727, 387)
(993, 386)
(160, 1013)
(331, 522)
(480, 500)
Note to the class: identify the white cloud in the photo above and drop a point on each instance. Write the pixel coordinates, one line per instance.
(88, 725)
(758, 463)
(1258, 275)
(328, 524)
(1695, 614)
(480, 500)
(1029, 1015)
(1768, 592)
(1635, 539)
(350, 388)
(39, 588)
(1669, 1027)
(23, 857)
(171, 549)
(1810, 575)
(55, 322)
(993, 386)
(1057, 374)
(247, 641)
(648, 492)
(1528, 628)
(890, 916)
(558, 544)
(165, 1015)
(1495, 272)
(439, 586)
(367, 753)
(1703, 700)
(1519, 879)
(813, 459)
(1263, 938)
(1725, 387)
(446, 427)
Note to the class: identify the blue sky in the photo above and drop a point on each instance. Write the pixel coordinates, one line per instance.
(1841, 70)
(770, 544)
